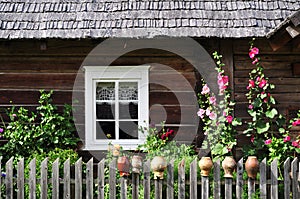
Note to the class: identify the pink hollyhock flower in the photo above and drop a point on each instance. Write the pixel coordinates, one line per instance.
(212, 116)
(251, 84)
(212, 100)
(1, 130)
(254, 51)
(295, 144)
(250, 106)
(269, 141)
(262, 83)
(296, 123)
(14, 115)
(224, 113)
(229, 119)
(287, 139)
(201, 112)
(252, 138)
(205, 90)
(255, 61)
(207, 111)
(225, 80)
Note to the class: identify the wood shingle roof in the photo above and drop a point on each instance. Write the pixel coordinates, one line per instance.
(139, 18)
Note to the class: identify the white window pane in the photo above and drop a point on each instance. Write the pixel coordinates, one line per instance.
(128, 91)
(105, 91)
(105, 110)
(128, 129)
(128, 110)
(105, 130)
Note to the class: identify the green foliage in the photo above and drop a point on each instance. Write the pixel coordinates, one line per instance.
(40, 131)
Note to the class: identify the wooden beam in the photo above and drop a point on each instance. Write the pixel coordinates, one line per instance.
(293, 31)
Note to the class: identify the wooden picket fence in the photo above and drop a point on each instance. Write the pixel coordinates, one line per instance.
(91, 182)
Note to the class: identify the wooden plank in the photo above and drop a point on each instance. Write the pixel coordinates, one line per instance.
(78, 179)
(67, 179)
(251, 188)
(239, 179)
(32, 179)
(146, 180)
(123, 182)
(45, 81)
(181, 180)
(101, 179)
(135, 185)
(112, 178)
(158, 188)
(9, 179)
(44, 179)
(89, 179)
(193, 179)
(170, 180)
(294, 170)
(228, 188)
(55, 179)
(172, 98)
(217, 180)
(274, 179)
(287, 179)
(205, 187)
(20, 179)
(268, 73)
(263, 179)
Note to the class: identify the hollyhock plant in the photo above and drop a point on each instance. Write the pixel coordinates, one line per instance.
(218, 118)
(267, 128)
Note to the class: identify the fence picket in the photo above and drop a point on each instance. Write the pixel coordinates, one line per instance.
(274, 181)
(217, 180)
(9, 179)
(181, 180)
(55, 179)
(44, 179)
(135, 185)
(170, 180)
(112, 179)
(263, 179)
(67, 186)
(123, 181)
(239, 178)
(228, 188)
(205, 187)
(101, 178)
(20, 179)
(294, 169)
(78, 179)
(89, 179)
(146, 181)
(193, 180)
(32, 179)
(287, 179)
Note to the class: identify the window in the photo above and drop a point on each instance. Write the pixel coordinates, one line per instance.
(116, 105)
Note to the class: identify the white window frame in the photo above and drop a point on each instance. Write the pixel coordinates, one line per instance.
(94, 74)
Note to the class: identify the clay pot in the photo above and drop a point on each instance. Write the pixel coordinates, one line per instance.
(205, 165)
(136, 163)
(252, 167)
(123, 166)
(229, 166)
(158, 166)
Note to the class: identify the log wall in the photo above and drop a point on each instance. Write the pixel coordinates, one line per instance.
(25, 68)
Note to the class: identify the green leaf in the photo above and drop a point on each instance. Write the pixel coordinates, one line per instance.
(262, 127)
(236, 122)
(271, 113)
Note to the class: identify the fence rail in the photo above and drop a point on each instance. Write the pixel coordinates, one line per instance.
(93, 180)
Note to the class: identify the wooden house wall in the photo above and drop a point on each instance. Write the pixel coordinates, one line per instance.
(25, 69)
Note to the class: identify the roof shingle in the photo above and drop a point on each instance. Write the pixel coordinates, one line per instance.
(137, 18)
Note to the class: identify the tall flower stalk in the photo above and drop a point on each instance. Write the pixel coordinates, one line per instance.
(267, 128)
(216, 113)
